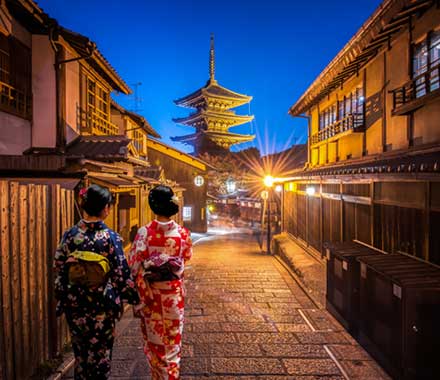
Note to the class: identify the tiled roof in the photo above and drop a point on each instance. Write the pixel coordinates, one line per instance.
(113, 180)
(403, 163)
(154, 172)
(37, 21)
(390, 18)
(85, 47)
(99, 147)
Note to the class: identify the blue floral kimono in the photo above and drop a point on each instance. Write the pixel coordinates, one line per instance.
(92, 313)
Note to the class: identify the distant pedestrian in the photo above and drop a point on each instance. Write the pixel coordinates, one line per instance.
(157, 260)
(92, 280)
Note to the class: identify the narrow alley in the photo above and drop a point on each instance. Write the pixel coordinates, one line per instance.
(247, 318)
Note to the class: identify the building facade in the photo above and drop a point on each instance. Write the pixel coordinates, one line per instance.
(191, 174)
(374, 139)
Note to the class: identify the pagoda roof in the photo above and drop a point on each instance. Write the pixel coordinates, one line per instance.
(202, 115)
(232, 138)
(212, 90)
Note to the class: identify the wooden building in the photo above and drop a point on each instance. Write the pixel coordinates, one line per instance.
(374, 139)
(59, 131)
(213, 116)
(190, 173)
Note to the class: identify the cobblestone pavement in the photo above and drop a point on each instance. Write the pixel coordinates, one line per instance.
(246, 318)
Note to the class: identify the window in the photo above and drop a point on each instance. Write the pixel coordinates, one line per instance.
(94, 113)
(4, 64)
(426, 59)
(138, 141)
(15, 77)
(97, 99)
(341, 110)
(420, 66)
(434, 59)
(360, 100)
(327, 117)
(187, 213)
(352, 103)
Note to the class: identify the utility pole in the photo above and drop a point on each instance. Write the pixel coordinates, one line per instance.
(137, 100)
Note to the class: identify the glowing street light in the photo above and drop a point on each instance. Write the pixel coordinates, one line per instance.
(230, 185)
(310, 190)
(278, 188)
(268, 181)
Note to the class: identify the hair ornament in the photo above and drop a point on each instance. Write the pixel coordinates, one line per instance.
(83, 193)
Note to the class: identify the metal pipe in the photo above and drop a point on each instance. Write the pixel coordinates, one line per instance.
(60, 82)
(268, 222)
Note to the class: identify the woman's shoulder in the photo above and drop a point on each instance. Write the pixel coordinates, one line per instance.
(112, 234)
(183, 230)
(143, 231)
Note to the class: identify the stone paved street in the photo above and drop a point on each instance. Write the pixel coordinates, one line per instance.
(246, 318)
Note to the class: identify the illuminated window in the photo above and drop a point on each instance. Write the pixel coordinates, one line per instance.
(426, 56)
(138, 141)
(94, 114)
(187, 213)
(15, 77)
(98, 99)
(4, 63)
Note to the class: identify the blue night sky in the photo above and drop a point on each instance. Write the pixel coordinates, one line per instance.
(271, 50)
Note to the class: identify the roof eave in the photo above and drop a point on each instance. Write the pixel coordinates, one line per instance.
(354, 46)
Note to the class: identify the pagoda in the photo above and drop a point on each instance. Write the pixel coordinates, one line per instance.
(213, 116)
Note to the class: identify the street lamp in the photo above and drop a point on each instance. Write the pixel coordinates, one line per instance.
(268, 182)
(230, 185)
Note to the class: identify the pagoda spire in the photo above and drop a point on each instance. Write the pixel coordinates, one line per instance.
(212, 60)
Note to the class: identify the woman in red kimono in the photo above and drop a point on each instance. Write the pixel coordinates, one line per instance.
(157, 260)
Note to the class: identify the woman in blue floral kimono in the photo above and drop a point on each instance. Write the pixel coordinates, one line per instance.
(92, 310)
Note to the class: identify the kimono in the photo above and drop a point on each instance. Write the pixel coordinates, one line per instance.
(162, 302)
(92, 313)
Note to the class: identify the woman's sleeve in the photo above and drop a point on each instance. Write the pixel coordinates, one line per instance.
(59, 266)
(121, 277)
(138, 252)
(187, 245)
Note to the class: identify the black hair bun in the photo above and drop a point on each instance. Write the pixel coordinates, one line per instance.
(162, 201)
(95, 199)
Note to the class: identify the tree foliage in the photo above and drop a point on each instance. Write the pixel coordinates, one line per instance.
(234, 166)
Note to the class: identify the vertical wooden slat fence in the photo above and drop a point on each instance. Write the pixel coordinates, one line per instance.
(394, 216)
(32, 219)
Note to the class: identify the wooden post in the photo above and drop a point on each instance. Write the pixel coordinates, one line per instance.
(38, 265)
(384, 103)
(6, 315)
(15, 277)
(23, 259)
(34, 253)
(341, 208)
(372, 213)
(53, 233)
(427, 220)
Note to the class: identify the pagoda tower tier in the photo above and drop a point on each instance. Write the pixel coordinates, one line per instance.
(213, 116)
(213, 142)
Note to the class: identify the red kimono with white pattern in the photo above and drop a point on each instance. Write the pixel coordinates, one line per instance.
(162, 302)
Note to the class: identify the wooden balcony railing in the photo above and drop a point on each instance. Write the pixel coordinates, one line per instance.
(417, 88)
(95, 124)
(15, 101)
(353, 121)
